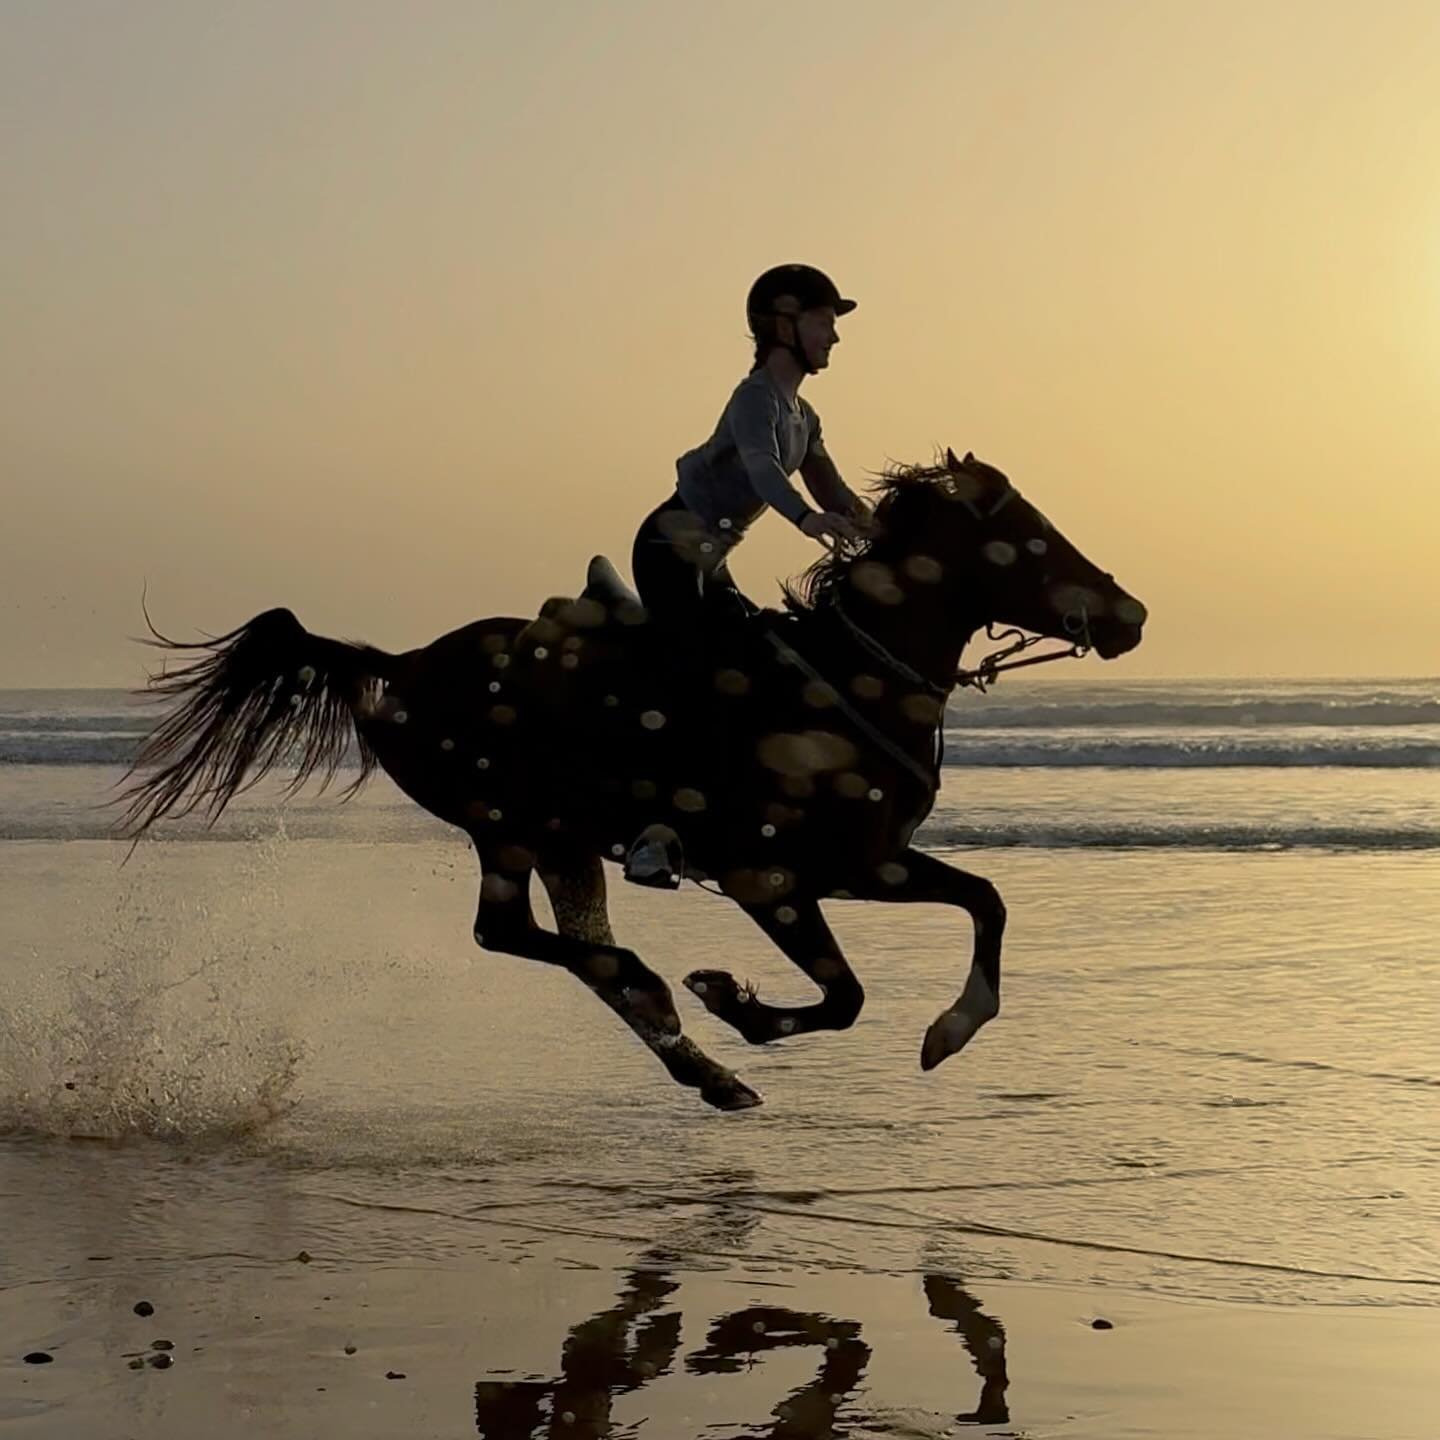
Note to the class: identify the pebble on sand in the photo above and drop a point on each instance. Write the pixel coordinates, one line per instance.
(38, 1357)
(144, 1308)
(163, 1361)
(136, 1364)
(303, 1257)
(350, 1349)
(1102, 1325)
(162, 1344)
(394, 1374)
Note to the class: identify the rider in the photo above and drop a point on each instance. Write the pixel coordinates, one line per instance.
(765, 434)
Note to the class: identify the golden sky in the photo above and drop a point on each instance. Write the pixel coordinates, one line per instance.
(394, 314)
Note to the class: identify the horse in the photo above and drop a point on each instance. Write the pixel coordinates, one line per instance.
(791, 758)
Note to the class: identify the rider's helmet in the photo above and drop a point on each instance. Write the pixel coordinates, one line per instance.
(787, 290)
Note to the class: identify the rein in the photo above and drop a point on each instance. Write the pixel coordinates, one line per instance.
(983, 675)
(896, 666)
(930, 780)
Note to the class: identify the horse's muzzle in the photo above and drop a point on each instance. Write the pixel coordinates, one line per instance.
(1118, 631)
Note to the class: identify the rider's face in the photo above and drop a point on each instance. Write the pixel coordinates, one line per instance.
(817, 335)
(814, 333)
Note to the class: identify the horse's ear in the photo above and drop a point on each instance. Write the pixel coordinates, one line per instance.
(951, 463)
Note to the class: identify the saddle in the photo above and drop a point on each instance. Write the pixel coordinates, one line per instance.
(603, 583)
(605, 602)
(608, 613)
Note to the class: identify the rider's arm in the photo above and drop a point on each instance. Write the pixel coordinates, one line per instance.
(754, 416)
(822, 477)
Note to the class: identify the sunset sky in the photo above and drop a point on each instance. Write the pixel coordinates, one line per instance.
(394, 314)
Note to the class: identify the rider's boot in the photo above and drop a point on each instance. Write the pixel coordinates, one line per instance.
(656, 859)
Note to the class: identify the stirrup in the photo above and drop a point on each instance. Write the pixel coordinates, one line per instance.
(656, 859)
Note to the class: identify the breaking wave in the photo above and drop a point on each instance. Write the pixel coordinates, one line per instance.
(972, 748)
(1242, 712)
(1062, 835)
(1389, 725)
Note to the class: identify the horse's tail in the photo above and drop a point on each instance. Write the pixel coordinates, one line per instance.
(266, 693)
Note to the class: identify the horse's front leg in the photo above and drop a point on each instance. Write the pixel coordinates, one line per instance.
(916, 877)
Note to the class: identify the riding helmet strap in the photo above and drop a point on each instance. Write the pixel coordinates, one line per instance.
(794, 347)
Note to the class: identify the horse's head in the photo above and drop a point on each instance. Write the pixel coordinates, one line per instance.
(967, 530)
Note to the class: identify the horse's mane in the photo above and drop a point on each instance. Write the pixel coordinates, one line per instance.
(816, 588)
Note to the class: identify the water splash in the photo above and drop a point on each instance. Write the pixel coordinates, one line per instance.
(170, 1031)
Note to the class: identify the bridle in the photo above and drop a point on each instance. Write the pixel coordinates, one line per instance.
(1076, 623)
(983, 675)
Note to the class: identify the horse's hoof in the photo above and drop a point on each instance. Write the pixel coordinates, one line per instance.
(949, 1033)
(718, 992)
(732, 1093)
(704, 982)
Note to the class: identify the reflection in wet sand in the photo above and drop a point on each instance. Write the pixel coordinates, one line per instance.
(600, 1360)
(984, 1340)
(809, 1412)
(621, 1349)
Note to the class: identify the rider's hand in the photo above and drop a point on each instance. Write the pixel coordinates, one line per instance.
(825, 525)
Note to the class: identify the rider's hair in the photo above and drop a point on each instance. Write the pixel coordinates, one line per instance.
(762, 332)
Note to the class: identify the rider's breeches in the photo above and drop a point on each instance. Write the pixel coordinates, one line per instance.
(680, 569)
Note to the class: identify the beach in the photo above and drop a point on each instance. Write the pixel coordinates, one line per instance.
(260, 1079)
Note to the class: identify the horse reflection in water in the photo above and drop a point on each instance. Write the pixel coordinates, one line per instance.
(621, 1349)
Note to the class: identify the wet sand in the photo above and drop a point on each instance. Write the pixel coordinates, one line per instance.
(585, 1339)
(1206, 1115)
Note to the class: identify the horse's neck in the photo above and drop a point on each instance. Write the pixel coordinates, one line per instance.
(916, 633)
(907, 714)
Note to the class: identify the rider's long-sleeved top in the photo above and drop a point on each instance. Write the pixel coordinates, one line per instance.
(763, 437)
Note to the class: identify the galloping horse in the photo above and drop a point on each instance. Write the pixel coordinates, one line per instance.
(792, 759)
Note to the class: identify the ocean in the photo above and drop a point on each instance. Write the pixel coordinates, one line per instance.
(1215, 1078)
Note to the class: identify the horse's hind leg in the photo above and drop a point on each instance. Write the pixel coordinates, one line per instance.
(576, 887)
(585, 947)
(505, 922)
(799, 929)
